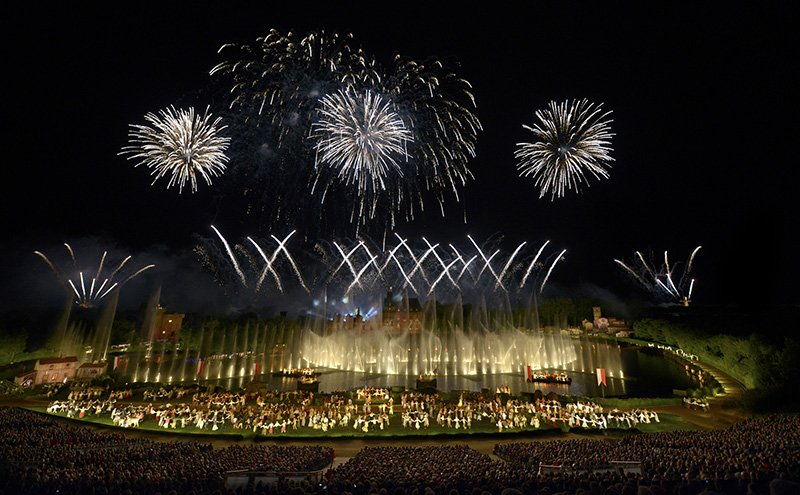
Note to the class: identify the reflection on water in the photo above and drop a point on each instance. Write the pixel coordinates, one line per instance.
(628, 372)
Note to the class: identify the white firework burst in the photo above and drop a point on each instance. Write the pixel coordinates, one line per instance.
(90, 289)
(361, 136)
(421, 120)
(181, 144)
(663, 281)
(572, 141)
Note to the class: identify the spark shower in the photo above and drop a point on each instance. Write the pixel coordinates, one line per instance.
(362, 269)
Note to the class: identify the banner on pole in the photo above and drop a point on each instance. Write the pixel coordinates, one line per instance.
(601, 376)
(530, 373)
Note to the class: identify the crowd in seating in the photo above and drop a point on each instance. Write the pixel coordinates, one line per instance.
(39, 454)
(743, 458)
(441, 468)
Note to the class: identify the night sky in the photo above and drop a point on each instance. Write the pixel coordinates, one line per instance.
(700, 94)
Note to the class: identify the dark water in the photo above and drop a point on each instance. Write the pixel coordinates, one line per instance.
(653, 375)
(640, 373)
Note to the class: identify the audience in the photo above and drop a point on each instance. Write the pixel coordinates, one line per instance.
(38, 454)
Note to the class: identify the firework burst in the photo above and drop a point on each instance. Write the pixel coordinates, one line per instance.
(180, 144)
(442, 108)
(91, 286)
(283, 76)
(572, 142)
(661, 279)
(373, 141)
(361, 138)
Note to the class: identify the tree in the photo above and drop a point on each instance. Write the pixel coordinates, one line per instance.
(12, 345)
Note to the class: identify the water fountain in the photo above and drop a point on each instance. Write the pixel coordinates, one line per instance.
(464, 346)
(408, 339)
(405, 338)
(85, 332)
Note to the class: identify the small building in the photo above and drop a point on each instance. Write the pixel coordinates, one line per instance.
(401, 316)
(354, 322)
(599, 322)
(55, 370)
(168, 326)
(609, 324)
(26, 379)
(616, 323)
(90, 371)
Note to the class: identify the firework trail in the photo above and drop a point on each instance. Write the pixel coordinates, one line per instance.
(572, 140)
(644, 264)
(258, 273)
(49, 263)
(691, 258)
(267, 266)
(631, 272)
(362, 269)
(179, 144)
(508, 264)
(282, 247)
(103, 284)
(232, 257)
(533, 264)
(432, 249)
(430, 269)
(487, 262)
(660, 281)
(71, 252)
(446, 271)
(546, 277)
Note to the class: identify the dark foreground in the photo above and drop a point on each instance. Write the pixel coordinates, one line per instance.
(42, 455)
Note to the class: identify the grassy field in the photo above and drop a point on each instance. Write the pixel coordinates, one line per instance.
(668, 422)
(395, 429)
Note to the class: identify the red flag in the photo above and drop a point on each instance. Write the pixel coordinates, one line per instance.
(199, 367)
(601, 376)
(255, 369)
(116, 362)
(530, 374)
